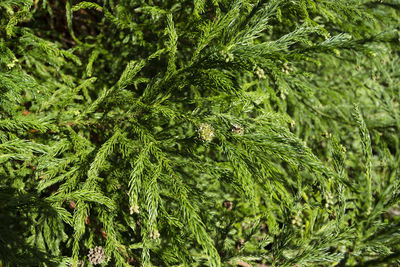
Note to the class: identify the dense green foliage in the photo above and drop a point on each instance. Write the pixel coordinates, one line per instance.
(200, 133)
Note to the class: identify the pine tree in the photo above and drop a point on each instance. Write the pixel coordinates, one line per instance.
(199, 133)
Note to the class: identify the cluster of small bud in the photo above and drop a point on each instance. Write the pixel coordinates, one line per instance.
(12, 63)
(238, 129)
(286, 68)
(97, 255)
(329, 200)
(206, 132)
(228, 56)
(239, 244)
(134, 209)
(80, 264)
(227, 205)
(297, 220)
(260, 73)
(155, 234)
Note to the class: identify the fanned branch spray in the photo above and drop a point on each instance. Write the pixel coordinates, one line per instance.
(199, 133)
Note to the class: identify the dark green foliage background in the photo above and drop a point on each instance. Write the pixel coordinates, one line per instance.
(200, 133)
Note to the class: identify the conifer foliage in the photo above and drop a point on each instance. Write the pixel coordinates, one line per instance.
(199, 133)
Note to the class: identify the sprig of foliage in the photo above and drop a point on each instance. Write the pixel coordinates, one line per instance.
(199, 133)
